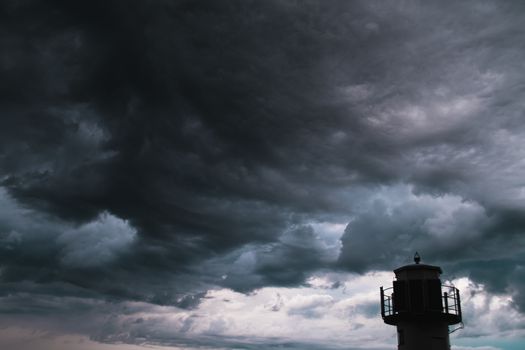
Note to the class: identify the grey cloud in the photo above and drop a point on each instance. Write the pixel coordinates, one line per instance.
(310, 306)
(217, 130)
(390, 229)
(517, 286)
(96, 243)
(285, 262)
(462, 236)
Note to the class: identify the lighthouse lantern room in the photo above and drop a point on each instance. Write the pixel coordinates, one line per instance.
(421, 307)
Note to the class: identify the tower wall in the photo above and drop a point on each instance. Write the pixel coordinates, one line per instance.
(422, 336)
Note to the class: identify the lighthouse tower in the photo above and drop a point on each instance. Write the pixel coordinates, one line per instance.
(420, 307)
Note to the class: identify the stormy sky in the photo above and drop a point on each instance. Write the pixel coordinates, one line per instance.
(246, 174)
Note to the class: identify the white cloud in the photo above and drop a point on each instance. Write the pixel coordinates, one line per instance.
(343, 317)
(333, 317)
(487, 314)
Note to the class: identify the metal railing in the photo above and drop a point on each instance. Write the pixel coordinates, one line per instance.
(451, 303)
(451, 300)
(387, 304)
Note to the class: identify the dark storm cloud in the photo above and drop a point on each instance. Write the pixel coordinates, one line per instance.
(204, 138)
(150, 150)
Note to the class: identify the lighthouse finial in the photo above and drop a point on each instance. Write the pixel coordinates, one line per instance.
(417, 258)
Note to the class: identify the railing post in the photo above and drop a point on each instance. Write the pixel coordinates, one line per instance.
(382, 302)
(445, 296)
(458, 302)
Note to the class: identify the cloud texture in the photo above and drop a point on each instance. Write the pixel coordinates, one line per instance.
(152, 152)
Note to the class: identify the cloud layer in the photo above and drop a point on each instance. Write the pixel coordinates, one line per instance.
(155, 152)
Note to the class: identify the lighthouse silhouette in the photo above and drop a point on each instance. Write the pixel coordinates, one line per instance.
(421, 307)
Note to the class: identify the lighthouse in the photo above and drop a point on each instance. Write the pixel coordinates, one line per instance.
(421, 307)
